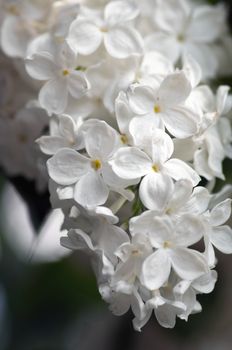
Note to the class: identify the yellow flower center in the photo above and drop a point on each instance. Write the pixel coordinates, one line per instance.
(135, 252)
(167, 244)
(104, 29)
(59, 39)
(155, 168)
(96, 164)
(180, 38)
(157, 109)
(124, 139)
(168, 211)
(65, 72)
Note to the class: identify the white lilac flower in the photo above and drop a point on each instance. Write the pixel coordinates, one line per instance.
(24, 20)
(59, 68)
(164, 104)
(120, 38)
(121, 302)
(181, 200)
(212, 143)
(186, 292)
(166, 309)
(171, 244)
(92, 174)
(131, 255)
(182, 28)
(64, 12)
(64, 133)
(155, 166)
(216, 233)
(19, 153)
(103, 239)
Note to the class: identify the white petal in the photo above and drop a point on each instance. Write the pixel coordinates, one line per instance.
(138, 306)
(100, 71)
(171, 16)
(120, 304)
(101, 140)
(189, 230)
(166, 315)
(123, 112)
(162, 146)
(180, 195)
(154, 191)
(155, 270)
(184, 149)
(204, 97)
(179, 170)
(77, 84)
(174, 90)
(117, 12)
(14, 37)
(51, 144)
(165, 44)
(67, 166)
(116, 183)
(199, 201)
(131, 163)
(205, 284)
(181, 122)
(160, 231)
(207, 24)
(66, 126)
(42, 43)
(205, 56)
(53, 96)
(223, 194)
(124, 276)
(209, 252)
(142, 100)
(222, 100)
(138, 324)
(142, 223)
(201, 164)
(155, 63)
(41, 66)
(142, 131)
(192, 69)
(221, 213)
(108, 238)
(188, 264)
(221, 238)
(77, 240)
(84, 37)
(91, 190)
(216, 153)
(121, 42)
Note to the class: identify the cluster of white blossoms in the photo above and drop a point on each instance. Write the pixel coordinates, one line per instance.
(115, 95)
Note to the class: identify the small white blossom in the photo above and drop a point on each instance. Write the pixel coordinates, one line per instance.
(92, 175)
(114, 29)
(64, 133)
(184, 29)
(164, 104)
(156, 167)
(59, 67)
